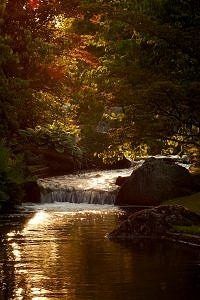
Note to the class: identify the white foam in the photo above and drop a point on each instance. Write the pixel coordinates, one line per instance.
(67, 207)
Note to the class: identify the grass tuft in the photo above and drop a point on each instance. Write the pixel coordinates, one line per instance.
(191, 202)
(188, 229)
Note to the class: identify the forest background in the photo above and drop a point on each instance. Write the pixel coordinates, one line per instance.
(84, 83)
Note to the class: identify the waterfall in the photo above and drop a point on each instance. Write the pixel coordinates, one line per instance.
(79, 196)
(95, 187)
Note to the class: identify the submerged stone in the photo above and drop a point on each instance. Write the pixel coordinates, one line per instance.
(155, 222)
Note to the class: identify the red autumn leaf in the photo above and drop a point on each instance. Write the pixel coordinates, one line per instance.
(34, 4)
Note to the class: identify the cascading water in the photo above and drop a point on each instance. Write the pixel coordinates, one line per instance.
(97, 187)
(92, 187)
(78, 196)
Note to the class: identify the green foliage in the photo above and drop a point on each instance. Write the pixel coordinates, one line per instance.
(12, 177)
(188, 229)
(191, 202)
(53, 137)
(73, 62)
(150, 66)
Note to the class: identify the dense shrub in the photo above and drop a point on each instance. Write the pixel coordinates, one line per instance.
(12, 177)
(53, 137)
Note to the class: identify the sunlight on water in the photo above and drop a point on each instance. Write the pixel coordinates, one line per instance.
(70, 208)
(16, 251)
(59, 251)
(95, 187)
(91, 187)
(44, 251)
(40, 217)
(99, 180)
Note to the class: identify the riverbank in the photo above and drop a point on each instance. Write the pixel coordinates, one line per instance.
(191, 202)
(172, 221)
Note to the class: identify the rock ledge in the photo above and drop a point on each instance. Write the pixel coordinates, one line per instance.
(157, 222)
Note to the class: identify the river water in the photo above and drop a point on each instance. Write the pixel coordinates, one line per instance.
(95, 187)
(60, 250)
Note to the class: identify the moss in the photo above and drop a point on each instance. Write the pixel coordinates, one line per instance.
(195, 170)
(188, 229)
(191, 202)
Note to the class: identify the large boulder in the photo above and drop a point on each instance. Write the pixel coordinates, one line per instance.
(155, 222)
(155, 181)
(121, 180)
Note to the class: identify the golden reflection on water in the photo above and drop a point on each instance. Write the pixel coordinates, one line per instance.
(35, 254)
(65, 255)
(40, 218)
(48, 252)
(100, 180)
(16, 251)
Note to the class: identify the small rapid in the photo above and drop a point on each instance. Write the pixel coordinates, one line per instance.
(94, 187)
(97, 187)
(79, 196)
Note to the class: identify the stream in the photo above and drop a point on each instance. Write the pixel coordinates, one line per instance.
(58, 249)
